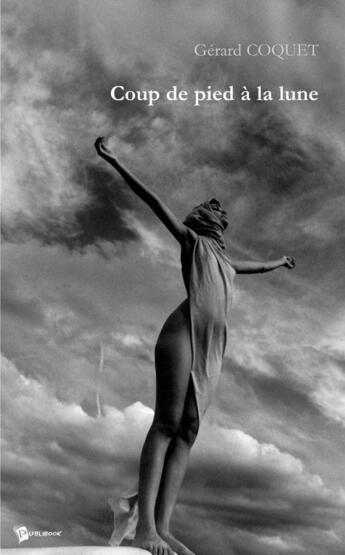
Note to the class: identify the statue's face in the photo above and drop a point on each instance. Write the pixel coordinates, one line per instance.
(222, 214)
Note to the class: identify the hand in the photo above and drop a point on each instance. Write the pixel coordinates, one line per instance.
(102, 149)
(289, 262)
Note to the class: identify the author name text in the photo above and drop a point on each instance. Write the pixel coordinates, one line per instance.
(279, 50)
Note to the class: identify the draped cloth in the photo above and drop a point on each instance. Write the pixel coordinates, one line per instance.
(210, 287)
(206, 222)
(210, 299)
(125, 516)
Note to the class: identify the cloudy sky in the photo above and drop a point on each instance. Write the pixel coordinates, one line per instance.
(89, 274)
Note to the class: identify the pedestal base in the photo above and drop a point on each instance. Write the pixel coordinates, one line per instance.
(82, 550)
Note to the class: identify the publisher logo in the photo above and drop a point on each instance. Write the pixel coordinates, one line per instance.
(23, 534)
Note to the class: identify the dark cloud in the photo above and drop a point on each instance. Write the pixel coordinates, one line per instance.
(100, 220)
(275, 390)
(17, 304)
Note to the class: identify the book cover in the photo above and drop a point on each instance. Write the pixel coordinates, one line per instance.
(241, 101)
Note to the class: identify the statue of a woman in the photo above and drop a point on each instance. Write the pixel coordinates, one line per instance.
(188, 356)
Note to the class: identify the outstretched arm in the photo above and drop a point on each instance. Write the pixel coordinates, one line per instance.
(178, 230)
(260, 267)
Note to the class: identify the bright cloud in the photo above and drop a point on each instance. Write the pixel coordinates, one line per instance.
(81, 461)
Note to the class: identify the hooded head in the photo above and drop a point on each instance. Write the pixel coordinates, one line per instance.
(208, 219)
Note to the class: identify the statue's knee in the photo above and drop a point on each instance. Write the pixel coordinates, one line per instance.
(189, 430)
(167, 426)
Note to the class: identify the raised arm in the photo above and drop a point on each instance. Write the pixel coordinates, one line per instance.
(260, 267)
(178, 230)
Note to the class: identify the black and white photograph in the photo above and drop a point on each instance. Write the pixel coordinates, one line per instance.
(173, 241)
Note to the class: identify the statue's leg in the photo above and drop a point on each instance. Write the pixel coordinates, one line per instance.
(175, 467)
(173, 364)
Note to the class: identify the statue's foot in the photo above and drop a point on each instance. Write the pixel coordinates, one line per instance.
(176, 545)
(153, 543)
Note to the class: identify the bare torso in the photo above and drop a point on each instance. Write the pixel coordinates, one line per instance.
(174, 339)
